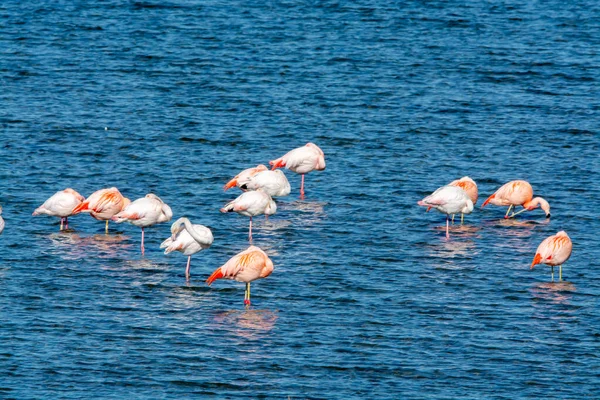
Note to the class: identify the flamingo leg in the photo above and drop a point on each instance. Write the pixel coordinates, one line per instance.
(187, 269)
(142, 241)
(106, 229)
(61, 223)
(462, 218)
(66, 222)
(247, 295)
(517, 213)
(250, 232)
(447, 226)
(552, 273)
(302, 187)
(560, 273)
(507, 211)
(453, 218)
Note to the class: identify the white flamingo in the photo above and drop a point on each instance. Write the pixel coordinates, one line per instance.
(61, 204)
(251, 204)
(302, 161)
(449, 200)
(272, 182)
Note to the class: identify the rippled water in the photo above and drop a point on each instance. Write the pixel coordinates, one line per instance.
(368, 299)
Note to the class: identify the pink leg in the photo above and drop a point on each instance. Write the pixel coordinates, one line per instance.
(447, 224)
(302, 187)
(142, 241)
(66, 222)
(187, 269)
(61, 223)
(250, 233)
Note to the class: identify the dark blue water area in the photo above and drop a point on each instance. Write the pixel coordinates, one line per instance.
(368, 299)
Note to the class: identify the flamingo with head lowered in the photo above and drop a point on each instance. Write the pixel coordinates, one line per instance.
(61, 204)
(517, 193)
(188, 239)
(145, 212)
(302, 161)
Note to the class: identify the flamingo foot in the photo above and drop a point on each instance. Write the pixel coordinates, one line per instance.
(246, 302)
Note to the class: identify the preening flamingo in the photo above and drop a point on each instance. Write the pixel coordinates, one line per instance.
(468, 185)
(251, 204)
(188, 239)
(247, 266)
(145, 212)
(448, 200)
(243, 177)
(517, 193)
(103, 204)
(553, 251)
(61, 204)
(301, 161)
(272, 182)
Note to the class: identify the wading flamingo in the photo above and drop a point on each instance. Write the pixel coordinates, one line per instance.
(553, 251)
(1, 221)
(517, 193)
(301, 161)
(61, 204)
(251, 204)
(188, 239)
(145, 212)
(103, 204)
(272, 182)
(468, 185)
(247, 266)
(448, 200)
(243, 177)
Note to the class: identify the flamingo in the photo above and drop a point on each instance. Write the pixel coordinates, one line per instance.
(301, 161)
(247, 266)
(145, 212)
(553, 251)
(468, 185)
(252, 204)
(243, 177)
(61, 204)
(272, 182)
(103, 204)
(1, 221)
(448, 200)
(188, 239)
(517, 193)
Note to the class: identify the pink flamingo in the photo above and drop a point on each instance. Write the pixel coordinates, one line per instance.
(517, 193)
(553, 251)
(103, 204)
(272, 182)
(448, 200)
(247, 266)
(251, 204)
(301, 161)
(188, 239)
(61, 204)
(468, 185)
(145, 212)
(243, 177)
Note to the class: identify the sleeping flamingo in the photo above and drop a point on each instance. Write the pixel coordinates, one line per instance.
(145, 212)
(243, 177)
(247, 266)
(188, 239)
(301, 161)
(251, 204)
(553, 251)
(272, 182)
(61, 204)
(103, 204)
(468, 185)
(517, 193)
(448, 200)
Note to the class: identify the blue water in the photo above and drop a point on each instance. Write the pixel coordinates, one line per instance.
(368, 299)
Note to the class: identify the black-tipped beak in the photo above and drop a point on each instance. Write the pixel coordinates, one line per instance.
(547, 215)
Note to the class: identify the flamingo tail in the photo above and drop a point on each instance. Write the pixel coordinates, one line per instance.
(215, 275)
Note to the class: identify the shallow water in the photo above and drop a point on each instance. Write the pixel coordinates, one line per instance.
(368, 299)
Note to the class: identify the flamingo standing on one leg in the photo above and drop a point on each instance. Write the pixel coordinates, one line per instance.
(103, 204)
(517, 193)
(272, 182)
(188, 239)
(243, 177)
(247, 266)
(553, 251)
(61, 204)
(251, 204)
(468, 185)
(145, 212)
(448, 200)
(301, 161)
(1, 221)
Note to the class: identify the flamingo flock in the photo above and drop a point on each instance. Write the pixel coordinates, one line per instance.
(259, 187)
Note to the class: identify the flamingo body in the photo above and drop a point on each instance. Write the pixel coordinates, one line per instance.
(60, 204)
(241, 178)
(103, 204)
(553, 251)
(448, 200)
(251, 204)
(272, 182)
(301, 161)
(517, 193)
(188, 239)
(469, 186)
